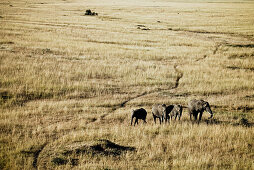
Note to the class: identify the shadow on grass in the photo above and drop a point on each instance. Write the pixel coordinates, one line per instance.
(242, 122)
(241, 45)
(239, 68)
(102, 147)
(35, 152)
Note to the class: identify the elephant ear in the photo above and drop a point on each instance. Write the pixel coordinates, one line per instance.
(169, 108)
(199, 104)
(205, 104)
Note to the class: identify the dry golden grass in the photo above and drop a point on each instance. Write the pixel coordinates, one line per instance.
(68, 83)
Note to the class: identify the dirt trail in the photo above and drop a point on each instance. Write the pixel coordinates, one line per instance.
(180, 74)
(216, 48)
(36, 156)
(123, 104)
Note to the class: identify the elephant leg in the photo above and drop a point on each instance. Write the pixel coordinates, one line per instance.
(154, 118)
(166, 119)
(200, 116)
(131, 120)
(195, 116)
(136, 121)
(190, 116)
(144, 120)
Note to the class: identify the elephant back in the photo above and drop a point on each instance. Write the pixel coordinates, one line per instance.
(159, 110)
(139, 113)
(196, 105)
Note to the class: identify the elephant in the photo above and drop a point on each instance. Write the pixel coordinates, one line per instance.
(176, 112)
(168, 110)
(159, 111)
(138, 114)
(196, 107)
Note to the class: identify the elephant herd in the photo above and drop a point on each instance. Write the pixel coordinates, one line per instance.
(163, 112)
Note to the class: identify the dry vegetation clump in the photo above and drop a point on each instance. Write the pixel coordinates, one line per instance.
(68, 84)
(89, 12)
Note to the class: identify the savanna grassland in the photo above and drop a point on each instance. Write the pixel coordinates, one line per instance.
(68, 83)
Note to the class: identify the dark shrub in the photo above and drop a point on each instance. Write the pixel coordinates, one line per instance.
(89, 12)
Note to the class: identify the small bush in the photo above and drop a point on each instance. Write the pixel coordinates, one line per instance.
(59, 161)
(89, 12)
(244, 122)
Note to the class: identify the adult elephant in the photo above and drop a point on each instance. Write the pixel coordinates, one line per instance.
(196, 107)
(138, 114)
(159, 111)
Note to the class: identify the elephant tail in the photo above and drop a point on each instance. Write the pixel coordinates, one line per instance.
(132, 119)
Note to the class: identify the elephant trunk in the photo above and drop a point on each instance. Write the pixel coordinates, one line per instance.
(208, 109)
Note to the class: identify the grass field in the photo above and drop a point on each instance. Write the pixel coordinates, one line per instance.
(68, 83)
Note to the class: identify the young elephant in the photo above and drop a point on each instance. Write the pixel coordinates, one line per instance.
(176, 112)
(138, 114)
(196, 107)
(168, 112)
(159, 111)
